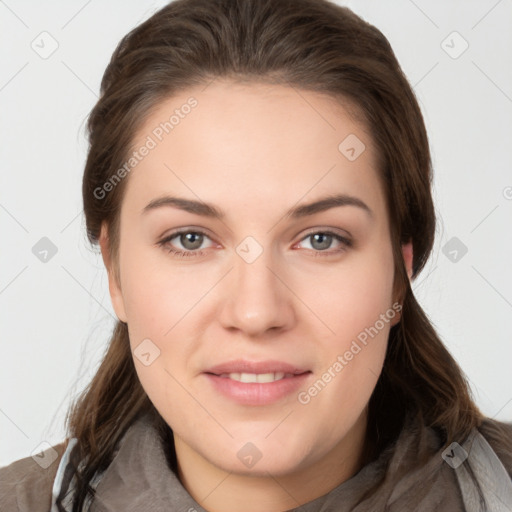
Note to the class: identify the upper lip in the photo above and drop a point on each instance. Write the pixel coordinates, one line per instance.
(257, 367)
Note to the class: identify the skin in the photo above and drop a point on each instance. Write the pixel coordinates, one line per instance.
(255, 151)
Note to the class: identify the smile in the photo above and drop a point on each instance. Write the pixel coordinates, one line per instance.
(257, 377)
(257, 388)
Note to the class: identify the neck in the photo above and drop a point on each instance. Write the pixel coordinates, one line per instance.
(217, 490)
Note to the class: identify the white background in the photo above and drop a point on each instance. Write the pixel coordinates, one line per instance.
(56, 317)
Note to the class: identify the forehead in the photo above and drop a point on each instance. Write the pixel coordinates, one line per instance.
(253, 144)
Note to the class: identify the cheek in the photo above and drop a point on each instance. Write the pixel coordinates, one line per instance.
(163, 304)
(356, 304)
(159, 294)
(352, 296)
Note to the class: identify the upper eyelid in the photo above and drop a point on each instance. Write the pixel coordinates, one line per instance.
(335, 231)
(344, 240)
(171, 236)
(181, 231)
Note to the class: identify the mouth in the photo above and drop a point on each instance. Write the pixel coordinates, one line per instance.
(245, 367)
(257, 377)
(256, 383)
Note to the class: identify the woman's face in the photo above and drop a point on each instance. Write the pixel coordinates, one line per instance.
(256, 275)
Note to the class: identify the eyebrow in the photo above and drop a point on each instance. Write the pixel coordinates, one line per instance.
(209, 210)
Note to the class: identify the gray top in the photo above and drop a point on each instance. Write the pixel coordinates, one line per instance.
(415, 474)
(139, 478)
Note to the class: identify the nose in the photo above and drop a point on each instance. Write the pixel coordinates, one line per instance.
(256, 298)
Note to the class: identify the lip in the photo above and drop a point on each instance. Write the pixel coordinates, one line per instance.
(255, 393)
(244, 366)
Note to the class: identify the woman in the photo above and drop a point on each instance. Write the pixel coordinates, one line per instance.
(258, 180)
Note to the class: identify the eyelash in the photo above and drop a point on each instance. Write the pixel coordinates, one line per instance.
(347, 243)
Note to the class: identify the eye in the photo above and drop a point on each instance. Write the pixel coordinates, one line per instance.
(190, 241)
(321, 241)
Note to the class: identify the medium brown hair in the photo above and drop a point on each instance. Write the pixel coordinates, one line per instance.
(313, 45)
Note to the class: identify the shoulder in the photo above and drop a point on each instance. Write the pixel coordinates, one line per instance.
(26, 484)
(499, 436)
(483, 465)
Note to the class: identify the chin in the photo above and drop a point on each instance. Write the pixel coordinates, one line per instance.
(279, 464)
(260, 456)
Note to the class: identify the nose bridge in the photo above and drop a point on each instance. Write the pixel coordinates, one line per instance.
(257, 301)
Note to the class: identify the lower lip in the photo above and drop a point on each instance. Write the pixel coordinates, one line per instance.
(255, 393)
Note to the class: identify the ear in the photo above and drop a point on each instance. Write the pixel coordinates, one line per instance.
(114, 285)
(408, 256)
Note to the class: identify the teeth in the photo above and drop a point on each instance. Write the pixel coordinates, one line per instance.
(253, 377)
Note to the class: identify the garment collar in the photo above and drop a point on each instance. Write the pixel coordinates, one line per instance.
(140, 479)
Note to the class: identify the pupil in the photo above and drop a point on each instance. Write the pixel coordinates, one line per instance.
(323, 239)
(191, 240)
